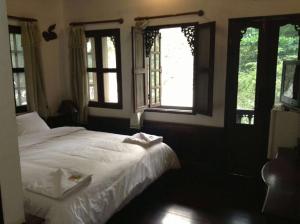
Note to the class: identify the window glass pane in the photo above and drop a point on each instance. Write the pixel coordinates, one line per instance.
(20, 89)
(110, 88)
(157, 65)
(22, 81)
(157, 95)
(109, 52)
(20, 60)
(14, 60)
(17, 97)
(90, 47)
(93, 90)
(177, 64)
(23, 99)
(153, 95)
(157, 78)
(19, 42)
(11, 39)
(247, 76)
(152, 63)
(152, 79)
(288, 49)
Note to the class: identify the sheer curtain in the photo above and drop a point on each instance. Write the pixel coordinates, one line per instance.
(77, 46)
(35, 87)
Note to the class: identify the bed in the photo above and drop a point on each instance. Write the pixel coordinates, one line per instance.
(120, 171)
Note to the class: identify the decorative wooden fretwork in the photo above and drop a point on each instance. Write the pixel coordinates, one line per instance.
(242, 32)
(297, 28)
(190, 34)
(149, 38)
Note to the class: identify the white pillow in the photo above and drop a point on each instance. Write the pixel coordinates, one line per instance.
(30, 123)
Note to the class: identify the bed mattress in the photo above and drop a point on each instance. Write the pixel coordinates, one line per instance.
(120, 171)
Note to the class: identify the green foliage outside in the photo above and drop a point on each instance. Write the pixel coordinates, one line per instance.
(287, 50)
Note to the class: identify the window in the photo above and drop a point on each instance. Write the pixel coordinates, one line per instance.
(104, 68)
(18, 71)
(177, 72)
(171, 69)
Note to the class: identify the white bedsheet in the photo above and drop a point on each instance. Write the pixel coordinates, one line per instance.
(120, 172)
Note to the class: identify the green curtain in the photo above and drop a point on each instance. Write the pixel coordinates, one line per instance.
(77, 45)
(35, 87)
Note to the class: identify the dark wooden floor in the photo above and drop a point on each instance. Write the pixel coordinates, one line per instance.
(185, 198)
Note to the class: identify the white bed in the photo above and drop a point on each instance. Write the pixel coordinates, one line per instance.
(120, 172)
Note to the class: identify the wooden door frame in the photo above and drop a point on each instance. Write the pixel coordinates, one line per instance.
(266, 77)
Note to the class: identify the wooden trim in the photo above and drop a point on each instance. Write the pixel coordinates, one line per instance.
(21, 109)
(198, 13)
(14, 29)
(198, 145)
(22, 18)
(121, 21)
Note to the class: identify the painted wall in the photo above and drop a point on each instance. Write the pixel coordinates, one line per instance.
(10, 177)
(55, 53)
(216, 10)
(47, 13)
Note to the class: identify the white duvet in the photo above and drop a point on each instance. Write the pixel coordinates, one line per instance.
(119, 172)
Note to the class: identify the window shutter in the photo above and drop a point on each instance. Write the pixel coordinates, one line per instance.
(155, 73)
(140, 77)
(204, 68)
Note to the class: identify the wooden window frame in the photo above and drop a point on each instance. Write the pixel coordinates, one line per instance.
(16, 30)
(100, 70)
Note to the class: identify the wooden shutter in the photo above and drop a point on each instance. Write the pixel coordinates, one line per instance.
(140, 77)
(204, 68)
(155, 73)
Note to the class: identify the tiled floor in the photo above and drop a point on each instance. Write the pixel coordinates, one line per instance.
(181, 198)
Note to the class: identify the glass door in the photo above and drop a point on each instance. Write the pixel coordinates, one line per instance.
(256, 50)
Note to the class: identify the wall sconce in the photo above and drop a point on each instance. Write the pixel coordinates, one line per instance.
(50, 34)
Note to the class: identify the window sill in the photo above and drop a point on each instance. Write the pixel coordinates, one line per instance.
(169, 110)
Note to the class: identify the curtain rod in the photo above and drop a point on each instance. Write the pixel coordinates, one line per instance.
(199, 13)
(100, 21)
(22, 18)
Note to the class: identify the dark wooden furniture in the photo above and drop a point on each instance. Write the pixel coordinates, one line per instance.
(282, 176)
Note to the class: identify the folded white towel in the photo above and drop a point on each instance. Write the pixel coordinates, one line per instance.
(59, 183)
(143, 139)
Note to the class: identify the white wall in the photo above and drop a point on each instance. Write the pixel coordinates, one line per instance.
(47, 13)
(10, 178)
(215, 10)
